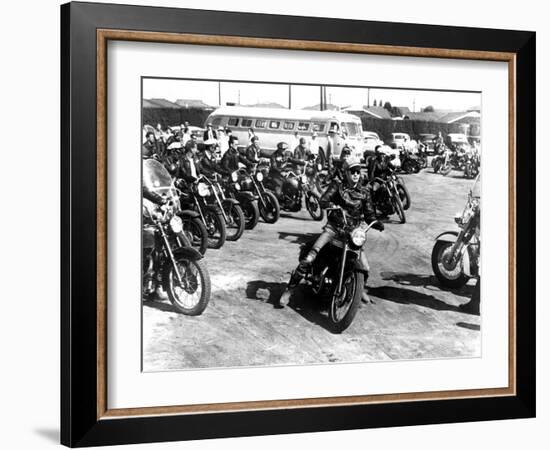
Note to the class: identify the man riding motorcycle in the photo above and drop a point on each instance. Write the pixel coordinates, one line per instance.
(355, 200)
(252, 152)
(207, 160)
(232, 157)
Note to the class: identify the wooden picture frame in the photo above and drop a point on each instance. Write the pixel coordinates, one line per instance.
(85, 417)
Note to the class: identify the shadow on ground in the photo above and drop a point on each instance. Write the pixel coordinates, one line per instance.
(409, 297)
(425, 281)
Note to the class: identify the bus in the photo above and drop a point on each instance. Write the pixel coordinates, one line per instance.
(274, 125)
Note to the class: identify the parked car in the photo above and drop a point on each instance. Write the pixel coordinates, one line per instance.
(457, 140)
(371, 141)
(402, 141)
(428, 140)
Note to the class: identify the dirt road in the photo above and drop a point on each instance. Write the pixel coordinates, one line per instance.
(409, 317)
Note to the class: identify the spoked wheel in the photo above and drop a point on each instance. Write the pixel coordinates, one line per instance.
(235, 221)
(404, 196)
(398, 206)
(251, 214)
(343, 307)
(270, 212)
(215, 226)
(313, 206)
(196, 233)
(192, 295)
(451, 276)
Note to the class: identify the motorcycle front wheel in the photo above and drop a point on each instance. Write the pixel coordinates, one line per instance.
(313, 206)
(191, 297)
(271, 211)
(235, 222)
(196, 233)
(343, 307)
(251, 214)
(215, 225)
(452, 277)
(404, 196)
(445, 170)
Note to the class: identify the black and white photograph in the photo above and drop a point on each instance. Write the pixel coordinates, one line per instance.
(300, 224)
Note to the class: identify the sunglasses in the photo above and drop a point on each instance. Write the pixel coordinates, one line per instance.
(355, 171)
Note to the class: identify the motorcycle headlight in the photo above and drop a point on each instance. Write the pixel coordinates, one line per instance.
(203, 190)
(319, 167)
(303, 178)
(358, 237)
(237, 186)
(176, 224)
(234, 177)
(259, 176)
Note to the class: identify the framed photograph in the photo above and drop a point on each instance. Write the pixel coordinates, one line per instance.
(279, 224)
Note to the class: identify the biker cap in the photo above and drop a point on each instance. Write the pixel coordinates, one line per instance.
(351, 162)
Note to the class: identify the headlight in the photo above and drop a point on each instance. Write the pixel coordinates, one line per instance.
(237, 186)
(234, 176)
(358, 237)
(319, 167)
(176, 224)
(259, 176)
(203, 190)
(303, 178)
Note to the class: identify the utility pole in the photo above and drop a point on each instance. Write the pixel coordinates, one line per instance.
(289, 96)
(321, 98)
(220, 93)
(368, 97)
(238, 97)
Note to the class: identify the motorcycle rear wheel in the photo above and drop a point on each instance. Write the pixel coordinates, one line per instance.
(251, 214)
(404, 196)
(270, 213)
(313, 206)
(451, 278)
(234, 229)
(192, 298)
(343, 308)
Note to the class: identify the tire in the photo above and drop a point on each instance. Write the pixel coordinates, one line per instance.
(197, 278)
(251, 214)
(446, 170)
(215, 227)
(436, 164)
(342, 313)
(313, 206)
(404, 196)
(451, 279)
(270, 213)
(398, 206)
(196, 233)
(235, 227)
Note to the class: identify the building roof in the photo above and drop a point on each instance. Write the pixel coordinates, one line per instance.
(378, 112)
(266, 105)
(328, 107)
(163, 103)
(456, 116)
(191, 103)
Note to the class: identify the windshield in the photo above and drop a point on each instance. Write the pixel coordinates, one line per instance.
(352, 128)
(155, 177)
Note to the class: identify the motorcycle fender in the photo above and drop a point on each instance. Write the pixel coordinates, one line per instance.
(187, 253)
(447, 236)
(230, 201)
(189, 213)
(359, 267)
(247, 196)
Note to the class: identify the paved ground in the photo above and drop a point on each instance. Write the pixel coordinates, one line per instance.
(411, 316)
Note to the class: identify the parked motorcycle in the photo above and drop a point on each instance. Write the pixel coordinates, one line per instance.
(441, 162)
(198, 197)
(169, 262)
(232, 212)
(389, 196)
(295, 188)
(410, 163)
(471, 165)
(248, 200)
(337, 273)
(455, 256)
(267, 201)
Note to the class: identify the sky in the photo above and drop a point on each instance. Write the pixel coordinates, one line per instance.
(303, 96)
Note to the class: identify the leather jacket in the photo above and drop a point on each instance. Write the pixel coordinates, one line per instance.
(208, 167)
(379, 167)
(231, 159)
(356, 201)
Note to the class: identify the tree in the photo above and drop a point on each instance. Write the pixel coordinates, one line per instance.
(375, 102)
(388, 106)
(429, 108)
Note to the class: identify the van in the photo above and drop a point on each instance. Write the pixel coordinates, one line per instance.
(274, 125)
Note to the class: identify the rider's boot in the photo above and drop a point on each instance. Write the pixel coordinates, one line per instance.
(296, 277)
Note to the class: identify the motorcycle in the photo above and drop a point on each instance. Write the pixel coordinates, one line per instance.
(267, 201)
(410, 163)
(337, 273)
(391, 197)
(198, 197)
(248, 200)
(471, 165)
(441, 163)
(169, 262)
(294, 188)
(232, 212)
(455, 255)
